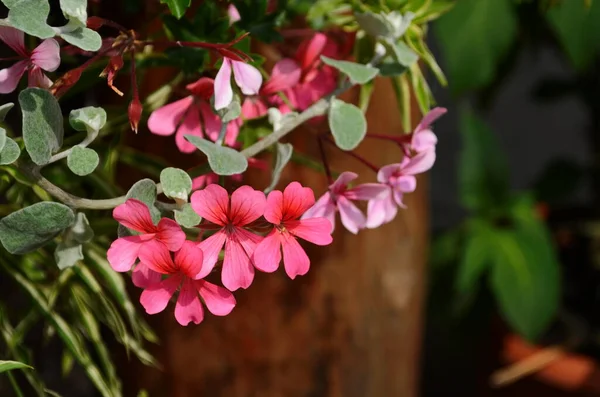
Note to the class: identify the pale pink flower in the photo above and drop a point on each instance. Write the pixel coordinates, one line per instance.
(233, 14)
(245, 206)
(135, 215)
(283, 211)
(246, 76)
(423, 138)
(45, 56)
(340, 197)
(401, 179)
(192, 115)
(184, 272)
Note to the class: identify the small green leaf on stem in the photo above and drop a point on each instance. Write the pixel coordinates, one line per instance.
(176, 183)
(82, 161)
(187, 217)
(10, 365)
(356, 72)
(88, 118)
(283, 155)
(347, 123)
(222, 160)
(10, 152)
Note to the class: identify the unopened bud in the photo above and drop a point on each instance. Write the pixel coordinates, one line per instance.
(135, 113)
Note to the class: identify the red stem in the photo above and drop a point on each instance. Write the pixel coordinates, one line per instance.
(356, 156)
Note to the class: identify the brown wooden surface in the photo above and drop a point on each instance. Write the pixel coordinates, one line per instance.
(351, 327)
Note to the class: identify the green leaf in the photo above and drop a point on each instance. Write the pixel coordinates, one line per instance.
(474, 37)
(82, 161)
(347, 123)
(187, 217)
(232, 111)
(67, 254)
(357, 73)
(32, 227)
(10, 152)
(399, 22)
(84, 38)
(4, 110)
(483, 172)
(10, 365)
(2, 138)
(374, 24)
(404, 54)
(75, 9)
(176, 183)
(577, 29)
(88, 118)
(145, 191)
(222, 160)
(476, 257)
(525, 276)
(390, 68)
(177, 7)
(42, 124)
(283, 155)
(81, 231)
(30, 17)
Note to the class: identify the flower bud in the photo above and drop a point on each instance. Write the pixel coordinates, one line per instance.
(135, 113)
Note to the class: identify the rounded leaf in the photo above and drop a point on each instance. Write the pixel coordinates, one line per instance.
(88, 118)
(10, 152)
(347, 123)
(176, 183)
(82, 161)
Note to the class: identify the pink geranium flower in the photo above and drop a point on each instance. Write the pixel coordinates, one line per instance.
(134, 214)
(283, 211)
(192, 115)
(340, 197)
(423, 138)
(184, 272)
(45, 56)
(245, 206)
(246, 76)
(400, 178)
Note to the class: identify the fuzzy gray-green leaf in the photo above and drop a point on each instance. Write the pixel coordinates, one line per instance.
(347, 123)
(356, 72)
(283, 155)
(88, 118)
(187, 217)
(82, 161)
(10, 152)
(30, 17)
(4, 110)
(84, 38)
(176, 183)
(222, 160)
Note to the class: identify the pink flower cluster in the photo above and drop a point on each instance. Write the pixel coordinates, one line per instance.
(168, 263)
(384, 197)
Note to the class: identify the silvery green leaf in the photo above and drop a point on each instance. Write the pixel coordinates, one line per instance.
(30, 17)
(375, 24)
(10, 152)
(187, 217)
(232, 111)
(176, 183)
(67, 255)
(81, 231)
(283, 155)
(347, 123)
(82, 37)
(82, 161)
(4, 110)
(399, 22)
(277, 119)
(222, 160)
(75, 10)
(145, 191)
(88, 118)
(2, 138)
(404, 54)
(356, 72)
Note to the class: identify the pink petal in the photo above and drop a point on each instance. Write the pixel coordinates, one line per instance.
(419, 163)
(310, 51)
(296, 200)
(37, 78)
(341, 183)
(315, 230)
(274, 209)
(398, 196)
(14, 38)
(429, 118)
(405, 184)
(233, 13)
(223, 91)
(212, 248)
(248, 239)
(47, 55)
(253, 108)
(144, 277)
(170, 234)
(218, 300)
(324, 205)
(212, 204)
(352, 218)
(367, 191)
(189, 126)
(10, 77)
(232, 132)
(247, 205)
(189, 260)
(203, 180)
(295, 260)
(386, 172)
(267, 254)
(188, 307)
(211, 123)
(135, 215)
(123, 252)
(423, 140)
(203, 88)
(157, 257)
(164, 120)
(285, 74)
(247, 77)
(238, 271)
(381, 211)
(156, 298)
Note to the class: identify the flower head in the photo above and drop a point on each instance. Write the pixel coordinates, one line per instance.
(45, 56)
(340, 197)
(183, 271)
(283, 210)
(233, 214)
(135, 215)
(423, 138)
(192, 115)
(246, 76)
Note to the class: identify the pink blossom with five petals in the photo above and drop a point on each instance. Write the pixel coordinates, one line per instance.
(283, 210)
(185, 271)
(244, 207)
(135, 215)
(340, 197)
(45, 56)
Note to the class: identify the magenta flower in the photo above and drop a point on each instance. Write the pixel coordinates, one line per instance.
(134, 214)
(192, 115)
(283, 211)
(245, 206)
(423, 138)
(45, 56)
(339, 198)
(184, 272)
(400, 178)
(246, 76)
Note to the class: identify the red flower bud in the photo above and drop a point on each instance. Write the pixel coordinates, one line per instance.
(110, 71)
(135, 113)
